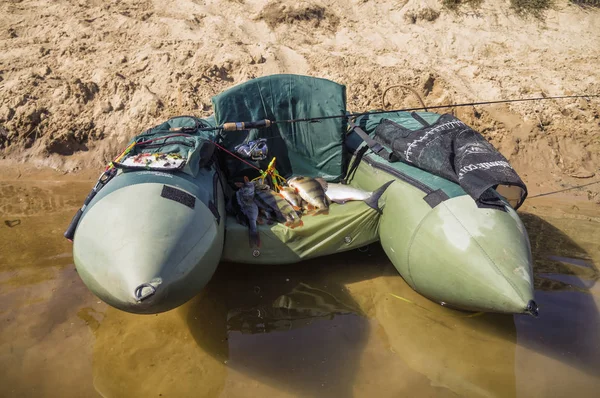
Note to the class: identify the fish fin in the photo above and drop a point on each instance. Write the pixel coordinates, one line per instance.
(316, 212)
(322, 182)
(338, 201)
(246, 179)
(294, 224)
(373, 200)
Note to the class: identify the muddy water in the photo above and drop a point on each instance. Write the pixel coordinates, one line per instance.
(341, 326)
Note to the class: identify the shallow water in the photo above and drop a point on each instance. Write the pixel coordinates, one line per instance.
(340, 326)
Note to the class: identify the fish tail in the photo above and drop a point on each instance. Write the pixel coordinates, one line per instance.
(254, 239)
(253, 235)
(373, 200)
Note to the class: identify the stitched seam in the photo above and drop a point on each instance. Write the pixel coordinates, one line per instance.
(487, 255)
(412, 239)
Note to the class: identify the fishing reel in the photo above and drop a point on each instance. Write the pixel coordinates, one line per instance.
(255, 150)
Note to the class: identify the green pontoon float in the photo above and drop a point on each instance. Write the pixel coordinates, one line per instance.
(155, 227)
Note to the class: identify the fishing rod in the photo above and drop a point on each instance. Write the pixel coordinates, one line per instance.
(258, 124)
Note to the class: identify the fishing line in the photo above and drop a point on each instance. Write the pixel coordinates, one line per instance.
(349, 115)
(440, 313)
(240, 126)
(235, 156)
(563, 190)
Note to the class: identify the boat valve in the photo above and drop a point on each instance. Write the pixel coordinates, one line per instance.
(532, 309)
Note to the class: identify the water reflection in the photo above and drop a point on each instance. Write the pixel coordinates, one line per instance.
(298, 308)
(565, 278)
(337, 330)
(45, 349)
(296, 328)
(348, 325)
(344, 325)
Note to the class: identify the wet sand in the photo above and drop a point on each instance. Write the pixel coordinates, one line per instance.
(340, 326)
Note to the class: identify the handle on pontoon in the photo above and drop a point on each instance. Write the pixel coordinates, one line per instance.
(70, 232)
(102, 181)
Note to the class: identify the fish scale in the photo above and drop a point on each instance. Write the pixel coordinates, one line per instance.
(311, 191)
(271, 200)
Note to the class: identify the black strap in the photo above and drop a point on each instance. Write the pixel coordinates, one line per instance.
(358, 157)
(435, 198)
(374, 145)
(419, 119)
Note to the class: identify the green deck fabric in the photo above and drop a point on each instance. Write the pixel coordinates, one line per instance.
(312, 149)
(346, 227)
(370, 122)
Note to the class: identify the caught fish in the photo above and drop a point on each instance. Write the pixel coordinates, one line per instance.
(249, 210)
(340, 193)
(312, 190)
(269, 200)
(291, 196)
(264, 217)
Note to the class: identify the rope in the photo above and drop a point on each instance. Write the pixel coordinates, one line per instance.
(405, 87)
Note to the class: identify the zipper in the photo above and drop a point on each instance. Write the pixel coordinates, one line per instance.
(398, 174)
